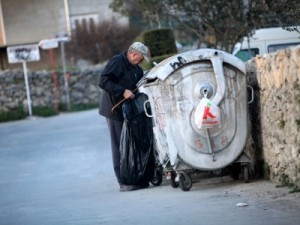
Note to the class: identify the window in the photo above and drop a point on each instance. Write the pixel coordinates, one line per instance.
(247, 54)
(86, 17)
(274, 48)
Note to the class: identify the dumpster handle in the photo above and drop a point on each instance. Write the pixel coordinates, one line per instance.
(146, 109)
(217, 62)
(252, 94)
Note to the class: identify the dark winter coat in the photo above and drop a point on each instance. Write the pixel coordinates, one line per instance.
(119, 74)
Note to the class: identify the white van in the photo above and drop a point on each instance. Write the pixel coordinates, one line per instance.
(265, 41)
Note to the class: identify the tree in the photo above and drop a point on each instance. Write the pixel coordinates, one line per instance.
(150, 10)
(285, 12)
(98, 42)
(216, 23)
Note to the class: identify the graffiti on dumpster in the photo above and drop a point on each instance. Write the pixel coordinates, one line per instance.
(224, 141)
(159, 111)
(199, 144)
(180, 62)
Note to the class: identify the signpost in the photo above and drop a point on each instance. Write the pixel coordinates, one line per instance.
(50, 44)
(23, 54)
(62, 38)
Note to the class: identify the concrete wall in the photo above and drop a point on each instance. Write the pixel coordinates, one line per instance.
(275, 113)
(98, 10)
(29, 21)
(32, 21)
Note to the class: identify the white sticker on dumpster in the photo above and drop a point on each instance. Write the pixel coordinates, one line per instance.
(207, 114)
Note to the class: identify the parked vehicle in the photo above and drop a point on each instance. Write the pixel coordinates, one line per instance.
(264, 41)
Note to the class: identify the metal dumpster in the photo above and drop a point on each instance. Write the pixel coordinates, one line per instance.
(175, 87)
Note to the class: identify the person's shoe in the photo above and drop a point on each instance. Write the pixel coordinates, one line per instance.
(124, 187)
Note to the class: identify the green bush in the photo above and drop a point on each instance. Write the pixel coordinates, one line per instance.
(16, 114)
(45, 111)
(50, 111)
(160, 42)
(42, 111)
(149, 65)
(81, 107)
(140, 37)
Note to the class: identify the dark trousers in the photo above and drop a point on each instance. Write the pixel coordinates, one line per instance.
(115, 129)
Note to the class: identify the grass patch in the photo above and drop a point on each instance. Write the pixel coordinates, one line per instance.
(42, 111)
(297, 123)
(285, 182)
(295, 190)
(16, 114)
(281, 122)
(82, 107)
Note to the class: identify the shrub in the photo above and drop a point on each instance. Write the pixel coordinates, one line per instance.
(148, 65)
(16, 114)
(44, 111)
(160, 42)
(81, 107)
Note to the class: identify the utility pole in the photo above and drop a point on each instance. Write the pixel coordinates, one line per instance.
(62, 39)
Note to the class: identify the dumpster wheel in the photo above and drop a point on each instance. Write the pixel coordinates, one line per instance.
(157, 178)
(246, 173)
(218, 172)
(174, 183)
(185, 181)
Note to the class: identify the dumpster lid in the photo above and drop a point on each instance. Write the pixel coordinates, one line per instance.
(167, 66)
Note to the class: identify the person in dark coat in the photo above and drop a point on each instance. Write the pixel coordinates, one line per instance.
(118, 81)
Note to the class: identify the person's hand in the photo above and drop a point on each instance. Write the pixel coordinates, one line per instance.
(128, 94)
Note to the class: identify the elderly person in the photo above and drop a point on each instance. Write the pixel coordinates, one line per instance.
(118, 80)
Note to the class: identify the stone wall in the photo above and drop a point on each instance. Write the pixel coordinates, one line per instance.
(275, 113)
(83, 88)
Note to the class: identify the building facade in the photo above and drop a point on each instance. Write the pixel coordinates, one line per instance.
(26, 22)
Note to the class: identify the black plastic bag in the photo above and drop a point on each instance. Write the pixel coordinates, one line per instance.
(137, 159)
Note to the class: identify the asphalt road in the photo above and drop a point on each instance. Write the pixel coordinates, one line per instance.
(58, 171)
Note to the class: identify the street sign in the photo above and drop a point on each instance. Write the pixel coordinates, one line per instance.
(23, 53)
(62, 37)
(48, 43)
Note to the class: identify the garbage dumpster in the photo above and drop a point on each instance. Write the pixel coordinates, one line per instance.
(175, 88)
